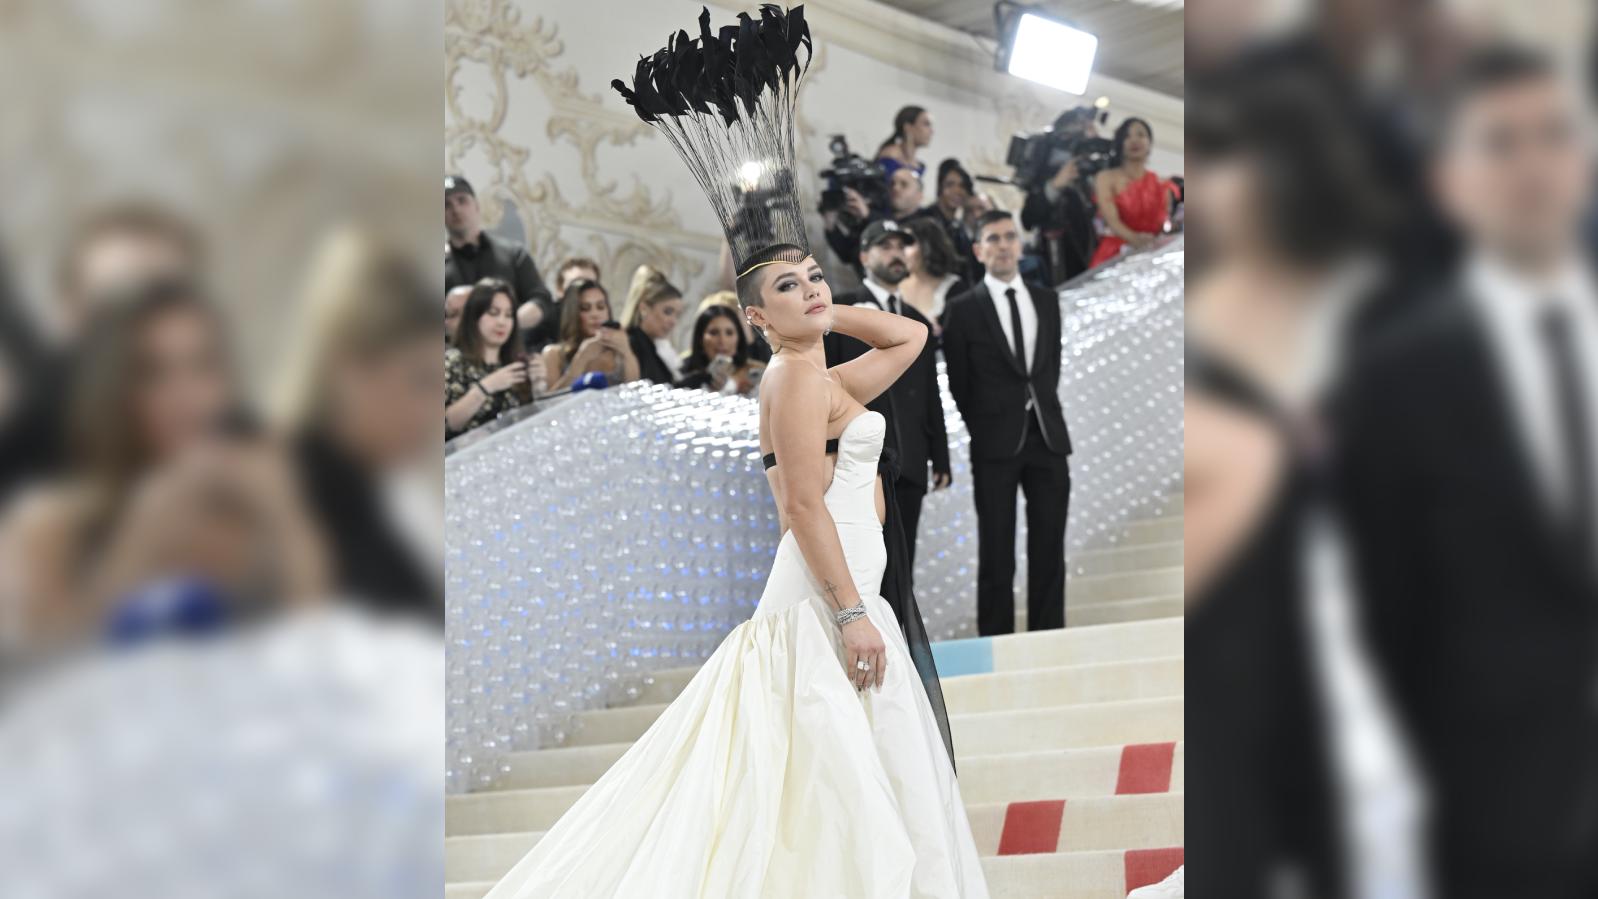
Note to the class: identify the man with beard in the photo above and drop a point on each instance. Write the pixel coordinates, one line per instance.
(912, 406)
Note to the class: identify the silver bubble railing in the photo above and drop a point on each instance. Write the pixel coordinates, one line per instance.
(628, 530)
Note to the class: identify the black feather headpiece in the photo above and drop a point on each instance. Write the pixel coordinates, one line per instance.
(726, 103)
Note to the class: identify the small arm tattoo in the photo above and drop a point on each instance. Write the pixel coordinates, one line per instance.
(832, 590)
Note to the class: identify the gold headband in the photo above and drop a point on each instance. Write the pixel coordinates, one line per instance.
(771, 262)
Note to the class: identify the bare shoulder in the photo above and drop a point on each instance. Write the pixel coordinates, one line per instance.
(790, 378)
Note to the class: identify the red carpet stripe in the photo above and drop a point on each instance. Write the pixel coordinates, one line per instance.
(1145, 768)
(1031, 827)
(1146, 866)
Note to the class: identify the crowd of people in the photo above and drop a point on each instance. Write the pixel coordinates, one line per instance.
(510, 339)
(142, 474)
(958, 265)
(1392, 355)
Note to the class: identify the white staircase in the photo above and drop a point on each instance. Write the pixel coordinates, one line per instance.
(1069, 741)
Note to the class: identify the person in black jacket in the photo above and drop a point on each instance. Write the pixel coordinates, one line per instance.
(471, 255)
(913, 406)
(1004, 372)
(1466, 465)
(650, 317)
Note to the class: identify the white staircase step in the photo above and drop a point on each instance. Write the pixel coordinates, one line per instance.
(1102, 874)
(1063, 685)
(1108, 874)
(1145, 821)
(1160, 638)
(1095, 588)
(1068, 727)
(1136, 557)
(1151, 530)
(1125, 610)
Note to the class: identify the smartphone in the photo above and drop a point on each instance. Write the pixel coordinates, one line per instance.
(611, 324)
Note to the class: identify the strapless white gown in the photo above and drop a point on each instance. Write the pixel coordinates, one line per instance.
(770, 776)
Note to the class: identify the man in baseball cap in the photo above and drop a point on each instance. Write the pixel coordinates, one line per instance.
(471, 254)
(912, 405)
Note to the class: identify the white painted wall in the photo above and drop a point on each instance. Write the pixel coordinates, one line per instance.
(639, 202)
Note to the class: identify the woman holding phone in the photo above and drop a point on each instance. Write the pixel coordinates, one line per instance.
(590, 339)
(485, 373)
(720, 359)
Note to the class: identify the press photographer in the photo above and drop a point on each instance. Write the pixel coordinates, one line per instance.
(1056, 168)
(859, 193)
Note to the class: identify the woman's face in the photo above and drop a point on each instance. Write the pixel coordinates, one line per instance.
(386, 402)
(180, 385)
(497, 323)
(951, 191)
(921, 130)
(1138, 142)
(721, 337)
(660, 319)
(797, 301)
(593, 310)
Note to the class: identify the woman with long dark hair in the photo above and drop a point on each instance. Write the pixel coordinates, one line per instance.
(934, 271)
(720, 359)
(912, 130)
(1134, 203)
(1285, 209)
(586, 344)
(485, 373)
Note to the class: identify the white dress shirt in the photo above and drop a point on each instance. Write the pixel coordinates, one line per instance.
(1511, 306)
(1029, 314)
(881, 294)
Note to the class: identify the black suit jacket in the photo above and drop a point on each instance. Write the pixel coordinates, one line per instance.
(986, 379)
(1481, 615)
(495, 257)
(913, 406)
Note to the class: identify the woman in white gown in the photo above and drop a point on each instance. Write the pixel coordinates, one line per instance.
(809, 758)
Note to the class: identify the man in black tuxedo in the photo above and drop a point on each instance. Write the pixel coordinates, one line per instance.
(1002, 347)
(1466, 453)
(913, 406)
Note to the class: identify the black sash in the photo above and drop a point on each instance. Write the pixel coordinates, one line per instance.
(899, 596)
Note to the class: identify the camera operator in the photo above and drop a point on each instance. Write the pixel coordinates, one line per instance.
(859, 193)
(1056, 168)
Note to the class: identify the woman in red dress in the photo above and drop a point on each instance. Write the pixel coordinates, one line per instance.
(1134, 203)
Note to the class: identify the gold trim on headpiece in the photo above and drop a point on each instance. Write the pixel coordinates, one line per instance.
(768, 262)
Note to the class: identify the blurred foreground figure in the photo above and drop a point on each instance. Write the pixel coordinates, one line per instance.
(166, 480)
(1283, 210)
(109, 251)
(1467, 451)
(358, 405)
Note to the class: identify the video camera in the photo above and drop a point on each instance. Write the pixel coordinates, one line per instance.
(1036, 157)
(850, 170)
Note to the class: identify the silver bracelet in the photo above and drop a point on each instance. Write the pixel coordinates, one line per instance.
(848, 615)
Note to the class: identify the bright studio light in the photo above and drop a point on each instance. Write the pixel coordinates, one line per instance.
(749, 175)
(1052, 53)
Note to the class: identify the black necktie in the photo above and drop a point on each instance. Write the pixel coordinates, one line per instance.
(1571, 405)
(1015, 327)
(893, 304)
